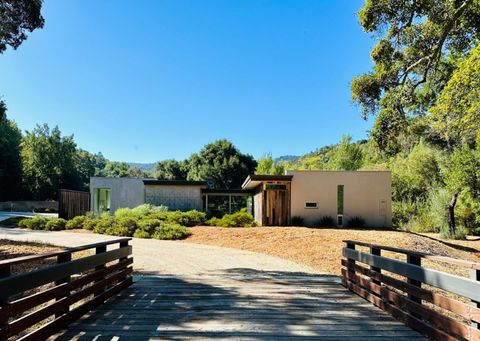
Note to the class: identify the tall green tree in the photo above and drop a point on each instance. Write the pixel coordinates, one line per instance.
(222, 164)
(10, 162)
(117, 169)
(266, 165)
(417, 50)
(49, 163)
(456, 114)
(345, 156)
(171, 170)
(17, 18)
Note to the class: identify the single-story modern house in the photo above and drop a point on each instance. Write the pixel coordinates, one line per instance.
(272, 199)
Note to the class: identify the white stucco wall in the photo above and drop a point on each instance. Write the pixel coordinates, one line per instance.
(183, 197)
(125, 192)
(366, 194)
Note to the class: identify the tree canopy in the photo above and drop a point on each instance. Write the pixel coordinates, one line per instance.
(417, 50)
(17, 18)
(221, 164)
(171, 170)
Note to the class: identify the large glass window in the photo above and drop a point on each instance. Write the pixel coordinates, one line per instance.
(101, 200)
(217, 205)
(340, 199)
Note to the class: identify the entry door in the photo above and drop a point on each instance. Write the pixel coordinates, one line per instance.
(276, 202)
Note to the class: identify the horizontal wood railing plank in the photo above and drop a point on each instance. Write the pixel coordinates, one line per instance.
(25, 303)
(19, 283)
(39, 315)
(462, 309)
(30, 258)
(61, 322)
(455, 284)
(453, 261)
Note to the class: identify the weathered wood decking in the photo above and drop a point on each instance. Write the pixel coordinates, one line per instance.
(238, 304)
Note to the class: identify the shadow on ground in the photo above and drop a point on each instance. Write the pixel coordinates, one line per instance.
(238, 304)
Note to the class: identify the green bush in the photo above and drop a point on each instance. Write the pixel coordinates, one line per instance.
(55, 224)
(355, 221)
(104, 223)
(326, 221)
(24, 223)
(460, 233)
(76, 222)
(90, 223)
(171, 232)
(141, 234)
(402, 212)
(189, 218)
(298, 221)
(214, 221)
(124, 227)
(238, 219)
(148, 225)
(36, 223)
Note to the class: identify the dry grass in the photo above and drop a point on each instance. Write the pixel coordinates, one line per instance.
(321, 248)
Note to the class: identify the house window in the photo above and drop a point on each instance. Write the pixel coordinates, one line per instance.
(101, 200)
(275, 187)
(340, 201)
(311, 204)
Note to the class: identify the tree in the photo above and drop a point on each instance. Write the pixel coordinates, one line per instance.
(456, 115)
(49, 163)
(346, 156)
(117, 169)
(17, 17)
(171, 170)
(419, 45)
(266, 165)
(10, 162)
(222, 164)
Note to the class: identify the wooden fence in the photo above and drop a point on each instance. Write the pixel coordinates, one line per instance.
(38, 303)
(72, 203)
(446, 308)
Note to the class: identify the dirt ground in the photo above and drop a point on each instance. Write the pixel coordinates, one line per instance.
(321, 248)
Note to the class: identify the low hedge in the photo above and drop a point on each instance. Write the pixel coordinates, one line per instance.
(238, 219)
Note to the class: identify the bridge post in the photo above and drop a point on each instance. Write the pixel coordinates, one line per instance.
(414, 260)
(98, 250)
(67, 257)
(475, 275)
(377, 252)
(350, 262)
(5, 271)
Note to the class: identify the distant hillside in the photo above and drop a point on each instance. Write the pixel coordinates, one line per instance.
(146, 167)
(288, 158)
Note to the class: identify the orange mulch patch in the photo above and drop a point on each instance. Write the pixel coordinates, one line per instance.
(321, 248)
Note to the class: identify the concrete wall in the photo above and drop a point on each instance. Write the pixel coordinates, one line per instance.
(125, 192)
(28, 205)
(366, 194)
(176, 197)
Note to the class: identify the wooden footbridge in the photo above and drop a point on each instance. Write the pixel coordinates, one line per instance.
(76, 295)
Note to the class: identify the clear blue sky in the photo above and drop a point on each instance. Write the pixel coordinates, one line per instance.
(143, 81)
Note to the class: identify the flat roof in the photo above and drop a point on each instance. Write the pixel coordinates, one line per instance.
(226, 191)
(254, 180)
(155, 182)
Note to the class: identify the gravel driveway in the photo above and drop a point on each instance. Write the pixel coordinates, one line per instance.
(167, 257)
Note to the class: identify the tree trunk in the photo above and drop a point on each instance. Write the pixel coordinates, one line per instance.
(451, 214)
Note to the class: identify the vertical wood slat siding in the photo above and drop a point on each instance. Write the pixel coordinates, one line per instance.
(94, 282)
(72, 203)
(404, 298)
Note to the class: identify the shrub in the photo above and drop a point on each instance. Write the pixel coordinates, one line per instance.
(24, 223)
(104, 223)
(189, 218)
(460, 233)
(124, 227)
(402, 212)
(76, 222)
(238, 219)
(55, 224)
(90, 223)
(171, 232)
(298, 221)
(148, 225)
(326, 221)
(141, 234)
(36, 223)
(356, 221)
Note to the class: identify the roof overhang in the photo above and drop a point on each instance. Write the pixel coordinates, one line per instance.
(154, 182)
(253, 181)
(224, 191)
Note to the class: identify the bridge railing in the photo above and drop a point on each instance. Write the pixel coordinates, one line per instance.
(57, 288)
(438, 304)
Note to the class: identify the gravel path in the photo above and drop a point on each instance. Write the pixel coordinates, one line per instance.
(167, 257)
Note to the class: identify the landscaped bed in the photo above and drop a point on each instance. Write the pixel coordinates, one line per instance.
(321, 248)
